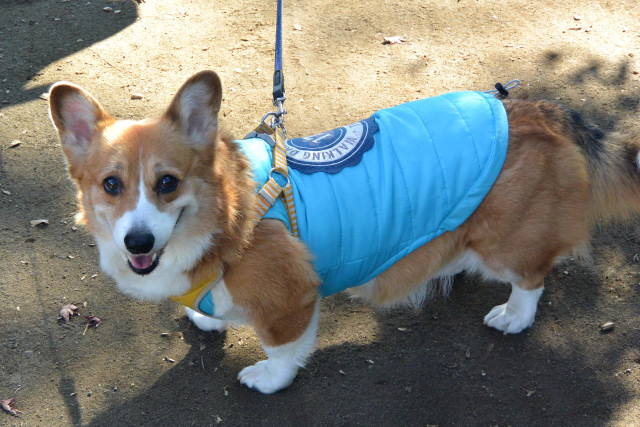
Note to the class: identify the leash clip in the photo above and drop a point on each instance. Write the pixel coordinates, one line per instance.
(277, 117)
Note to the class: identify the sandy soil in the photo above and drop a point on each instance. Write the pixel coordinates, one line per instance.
(439, 365)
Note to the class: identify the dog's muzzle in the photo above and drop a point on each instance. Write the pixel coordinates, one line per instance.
(140, 259)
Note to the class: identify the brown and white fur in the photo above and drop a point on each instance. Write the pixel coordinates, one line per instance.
(171, 200)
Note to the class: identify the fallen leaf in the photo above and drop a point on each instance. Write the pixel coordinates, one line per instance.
(37, 222)
(394, 40)
(68, 311)
(93, 321)
(7, 406)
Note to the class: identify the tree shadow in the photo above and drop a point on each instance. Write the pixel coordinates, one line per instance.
(422, 367)
(588, 77)
(437, 366)
(49, 31)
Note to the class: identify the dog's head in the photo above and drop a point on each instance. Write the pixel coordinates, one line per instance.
(145, 188)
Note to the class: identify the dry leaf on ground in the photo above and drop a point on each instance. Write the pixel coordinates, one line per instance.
(7, 406)
(93, 321)
(68, 311)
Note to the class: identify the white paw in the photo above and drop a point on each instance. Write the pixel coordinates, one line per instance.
(268, 376)
(206, 323)
(503, 318)
(517, 314)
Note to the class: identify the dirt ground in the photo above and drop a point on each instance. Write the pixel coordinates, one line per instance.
(437, 366)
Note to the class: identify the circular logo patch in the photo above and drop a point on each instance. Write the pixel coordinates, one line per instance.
(333, 150)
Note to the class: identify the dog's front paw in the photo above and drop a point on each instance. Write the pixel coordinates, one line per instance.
(509, 321)
(206, 323)
(267, 377)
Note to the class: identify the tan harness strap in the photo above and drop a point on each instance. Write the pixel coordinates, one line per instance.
(272, 189)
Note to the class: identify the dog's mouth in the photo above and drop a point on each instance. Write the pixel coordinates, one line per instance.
(144, 264)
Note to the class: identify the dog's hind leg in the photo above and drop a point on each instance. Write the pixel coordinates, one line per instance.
(516, 314)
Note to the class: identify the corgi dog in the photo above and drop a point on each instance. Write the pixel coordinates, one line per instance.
(171, 203)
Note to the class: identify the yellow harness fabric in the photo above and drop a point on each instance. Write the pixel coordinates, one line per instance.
(197, 293)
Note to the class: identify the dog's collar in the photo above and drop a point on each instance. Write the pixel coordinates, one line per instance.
(198, 292)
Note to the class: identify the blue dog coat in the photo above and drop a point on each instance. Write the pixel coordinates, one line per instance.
(370, 193)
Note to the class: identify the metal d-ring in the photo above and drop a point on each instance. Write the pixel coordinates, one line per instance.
(286, 177)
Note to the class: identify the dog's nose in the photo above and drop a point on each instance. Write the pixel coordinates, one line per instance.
(139, 242)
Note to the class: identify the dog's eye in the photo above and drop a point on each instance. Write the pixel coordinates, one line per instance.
(112, 185)
(168, 184)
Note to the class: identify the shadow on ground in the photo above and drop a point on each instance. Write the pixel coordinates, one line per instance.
(36, 33)
(436, 366)
(439, 365)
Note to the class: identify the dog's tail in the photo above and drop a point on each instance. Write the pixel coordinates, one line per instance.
(613, 165)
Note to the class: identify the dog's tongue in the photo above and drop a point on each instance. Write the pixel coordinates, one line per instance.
(142, 262)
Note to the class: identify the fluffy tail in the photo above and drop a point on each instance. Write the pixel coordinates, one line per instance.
(613, 164)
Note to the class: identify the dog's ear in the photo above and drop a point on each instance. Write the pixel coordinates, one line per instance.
(76, 115)
(195, 108)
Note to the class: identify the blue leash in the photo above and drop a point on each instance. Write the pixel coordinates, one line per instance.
(277, 117)
(278, 76)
